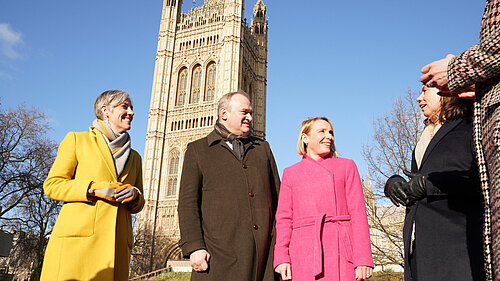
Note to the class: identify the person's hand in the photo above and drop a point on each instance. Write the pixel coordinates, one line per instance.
(363, 272)
(125, 193)
(416, 186)
(285, 270)
(395, 189)
(467, 93)
(199, 260)
(436, 74)
(104, 190)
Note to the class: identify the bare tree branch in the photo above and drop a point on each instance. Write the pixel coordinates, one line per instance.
(26, 156)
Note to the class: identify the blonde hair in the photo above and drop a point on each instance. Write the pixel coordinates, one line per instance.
(305, 128)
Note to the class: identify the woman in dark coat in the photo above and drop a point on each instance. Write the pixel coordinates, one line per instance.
(443, 225)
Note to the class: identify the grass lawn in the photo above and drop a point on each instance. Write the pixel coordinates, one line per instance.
(173, 276)
(184, 276)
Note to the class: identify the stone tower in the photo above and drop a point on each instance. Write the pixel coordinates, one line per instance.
(201, 55)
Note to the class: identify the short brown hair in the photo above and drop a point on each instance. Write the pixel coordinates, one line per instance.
(111, 99)
(305, 128)
(225, 100)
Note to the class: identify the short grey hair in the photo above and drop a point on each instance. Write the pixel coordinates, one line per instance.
(225, 100)
(110, 99)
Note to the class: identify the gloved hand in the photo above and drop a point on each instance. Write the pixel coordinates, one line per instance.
(105, 190)
(416, 186)
(126, 193)
(395, 188)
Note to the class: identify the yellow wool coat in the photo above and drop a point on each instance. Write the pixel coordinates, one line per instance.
(92, 239)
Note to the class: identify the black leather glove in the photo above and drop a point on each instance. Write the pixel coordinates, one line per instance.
(395, 189)
(416, 186)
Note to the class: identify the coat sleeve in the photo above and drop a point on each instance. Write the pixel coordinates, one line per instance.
(190, 204)
(275, 190)
(137, 205)
(60, 183)
(361, 246)
(477, 64)
(284, 216)
(275, 180)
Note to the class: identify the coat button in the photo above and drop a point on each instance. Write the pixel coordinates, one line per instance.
(245, 166)
(251, 194)
(255, 227)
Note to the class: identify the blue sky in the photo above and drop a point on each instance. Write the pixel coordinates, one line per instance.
(345, 60)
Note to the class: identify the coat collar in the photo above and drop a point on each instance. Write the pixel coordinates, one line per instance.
(213, 138)
(105, 153)
(320, 162)
(443, 131)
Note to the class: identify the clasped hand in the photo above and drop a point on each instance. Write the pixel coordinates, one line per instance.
(363, 272)
(402, 192)
(199, 260)
(284, 270)
(113, 191)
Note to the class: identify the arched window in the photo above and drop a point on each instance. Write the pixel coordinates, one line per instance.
(172, 187)
(173, 172)
(210, 82)
(181, 87)
(195, 84)
(174, 163)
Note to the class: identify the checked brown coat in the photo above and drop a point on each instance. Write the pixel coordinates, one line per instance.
(480, 66)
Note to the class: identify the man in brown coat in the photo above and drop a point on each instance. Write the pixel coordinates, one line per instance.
(479, 67)
(228, 198)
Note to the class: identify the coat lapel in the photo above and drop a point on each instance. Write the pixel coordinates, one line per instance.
(319, 162)
(248, 146)
(443, 131)
(126, 170)
(105, 153)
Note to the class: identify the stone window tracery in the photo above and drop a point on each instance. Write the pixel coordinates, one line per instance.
(210, 82)
(181, 87)
(195, 84)
(172, 173)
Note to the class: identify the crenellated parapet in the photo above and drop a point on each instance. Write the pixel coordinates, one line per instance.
(211, 12)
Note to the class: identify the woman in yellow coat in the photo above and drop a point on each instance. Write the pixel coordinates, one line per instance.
(99, 178)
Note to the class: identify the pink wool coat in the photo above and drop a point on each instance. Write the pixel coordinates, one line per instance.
(321, 223)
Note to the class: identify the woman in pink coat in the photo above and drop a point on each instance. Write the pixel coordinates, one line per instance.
(321, 224)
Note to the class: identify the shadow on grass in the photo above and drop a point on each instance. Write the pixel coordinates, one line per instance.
(173, 276)
(185, 276)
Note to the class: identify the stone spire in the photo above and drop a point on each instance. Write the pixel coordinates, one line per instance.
(259, 23)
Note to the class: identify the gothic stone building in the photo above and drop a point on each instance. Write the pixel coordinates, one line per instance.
(201, 55)
(386, 231)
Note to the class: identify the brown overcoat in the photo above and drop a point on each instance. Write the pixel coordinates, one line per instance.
(227, 207)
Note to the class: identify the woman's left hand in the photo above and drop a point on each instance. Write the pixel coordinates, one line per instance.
(363, 272)
(127, 194)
